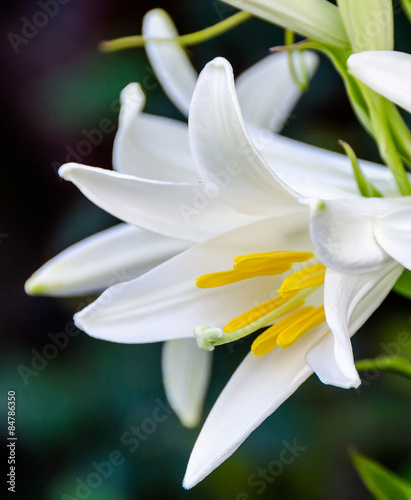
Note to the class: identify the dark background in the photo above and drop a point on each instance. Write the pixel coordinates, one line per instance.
(73, 410)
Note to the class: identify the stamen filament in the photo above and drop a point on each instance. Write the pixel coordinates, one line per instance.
(290, 305)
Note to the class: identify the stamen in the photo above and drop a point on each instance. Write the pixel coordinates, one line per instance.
(288, 330)
(267, 259)
(252, 266)
(213, 280)
(267, 341)
(306, 278)
(255, 314)
(289, 335)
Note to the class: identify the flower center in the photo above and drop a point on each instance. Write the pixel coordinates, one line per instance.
(290, 302)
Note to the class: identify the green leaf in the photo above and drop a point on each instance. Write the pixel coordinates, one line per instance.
(381, 482)
(403, 285)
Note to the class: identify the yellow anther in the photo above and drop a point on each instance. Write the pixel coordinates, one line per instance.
(252, 266)
(306, 278)
(257, 312)
(287, 331)
(233, 276)
(267, 259)
(296, 330)
(267, 341)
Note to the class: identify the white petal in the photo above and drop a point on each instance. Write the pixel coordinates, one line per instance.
(267, 92)
(342, 231)
(349, 300)
(118, 254)
(393, 233)
(151, 146)
(386, 72)
(186, 211)
(172, 66)
(257, 388)
(186, 375)
(317, 19)
(293, 160)
(165, 303)
(223, 151)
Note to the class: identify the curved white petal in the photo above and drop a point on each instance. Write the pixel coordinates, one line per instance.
(393, 233)
(171, 65)
(165, 303)
(267, 92)
(343, 233)
(257, 388)
(386, 72)
(293, 160)
(118, 254)
(186, 211)
(317, 19)
(151, 146)
(186, 375)
(223, 151)
(349, 300)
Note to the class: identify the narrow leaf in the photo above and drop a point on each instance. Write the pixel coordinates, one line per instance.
(381, 482)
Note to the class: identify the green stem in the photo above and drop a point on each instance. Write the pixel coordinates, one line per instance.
(304, 82)
(130, 42)
(398, 365)
(384, 139)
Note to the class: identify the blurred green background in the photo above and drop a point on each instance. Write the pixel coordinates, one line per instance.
(73, 411)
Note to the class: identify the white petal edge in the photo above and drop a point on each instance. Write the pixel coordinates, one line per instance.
(186, 374)
(222, 148)
(186, 211)
(165, 303)
(151, 146)
(267, 92)
(256, 389)
(118, 254)
(169, 60)
(393, 233)
(349, 300)
(386, 72)
(292, 160)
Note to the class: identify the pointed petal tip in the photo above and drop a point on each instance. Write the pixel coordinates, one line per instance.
(158, 14)
(132, 95)
(65, 170)
(34, 286)
(191, 480)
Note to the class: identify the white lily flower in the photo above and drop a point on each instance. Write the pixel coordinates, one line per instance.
(317, 19)
(157, 148)
(386, 72)
(165, 304)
